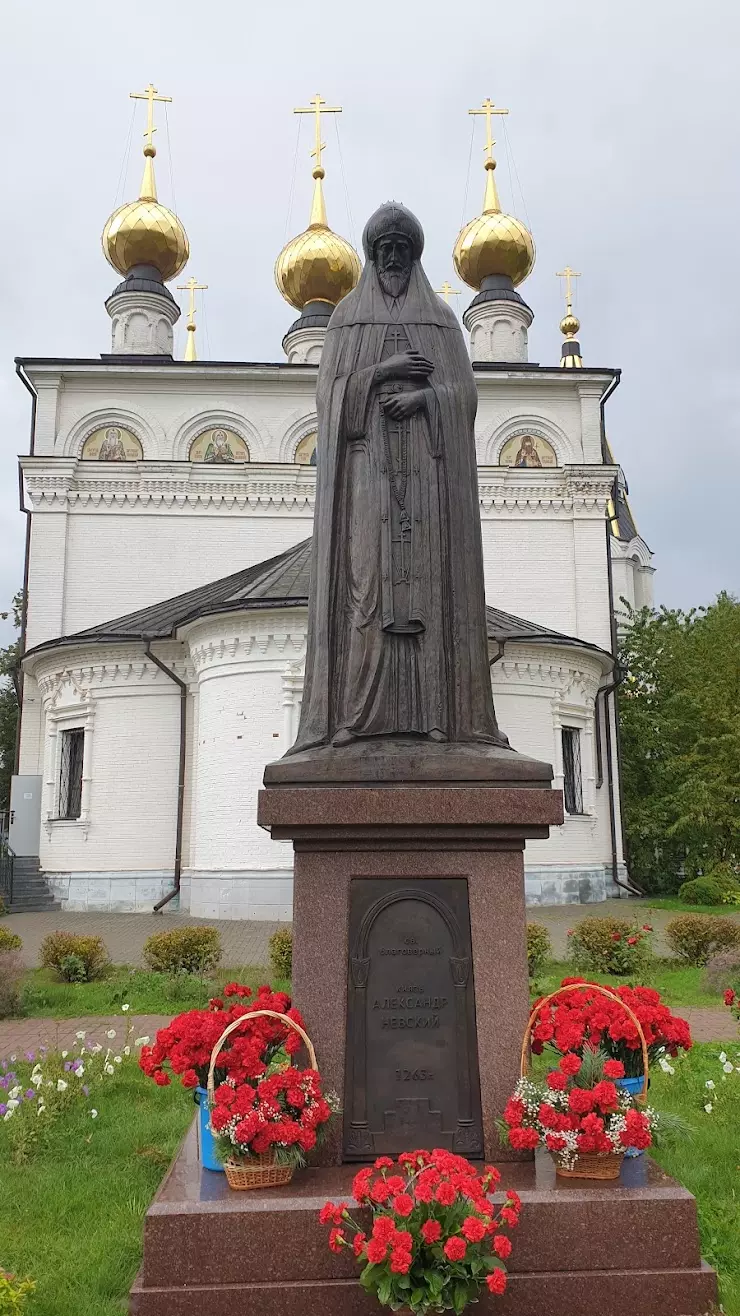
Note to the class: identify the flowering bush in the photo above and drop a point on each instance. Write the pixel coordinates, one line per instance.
(284, 1113)
(732, 999)
(185, 1045)
(59, 946)
(9, 940)
(13, 1293)
(577, 1111)
(183, 950)
(586, 1018)
(42, 1086)
(436, 1240)
(11, 973)
(610, 945)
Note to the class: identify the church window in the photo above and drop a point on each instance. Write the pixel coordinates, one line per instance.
(305, 453)
(219, 447)
(112, 443)
(572, 783)
(527, 451)
(70, 773)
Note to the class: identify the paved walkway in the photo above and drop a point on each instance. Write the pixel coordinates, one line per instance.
(18, 1036)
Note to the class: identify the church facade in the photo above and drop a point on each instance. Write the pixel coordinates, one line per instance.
(170, 509)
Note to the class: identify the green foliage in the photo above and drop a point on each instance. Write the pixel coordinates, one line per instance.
(281, 952)
(13, 1293)
(3, 908)
(694, 938)
(539, 948)
(11, 975)
(72, 969)
(183, 950)
(60, 946)
(679, 711)
(610, 945)
(44, 995)
(9, 691)
(9, 940)
(714, 889)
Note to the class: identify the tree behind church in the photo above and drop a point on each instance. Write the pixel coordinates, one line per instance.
(9, 680)
(680, 724)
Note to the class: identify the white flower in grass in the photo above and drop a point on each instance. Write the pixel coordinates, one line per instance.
(710, 1084)
(80, 1071)
(709, 1108)
(93, 1114)
(111, 1032)
(13, 1105)
(116, 1060)
(127, 1050)
(12, 1060)
(109, 1069)
(728, 1066)
(37, 1080)
(8, 1115)
(144, 1041)
(40, 1109)
(722, 1057)
(15, 1093)
(667, 1069)
(61, 1085)
(125, 1008)
(81, 1036)
(97, 1049)
(64, 1055)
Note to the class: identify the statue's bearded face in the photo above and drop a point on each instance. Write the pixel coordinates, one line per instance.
(393, 260)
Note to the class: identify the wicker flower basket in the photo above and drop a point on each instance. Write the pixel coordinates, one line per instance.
(259, 1171)
(589, 1165)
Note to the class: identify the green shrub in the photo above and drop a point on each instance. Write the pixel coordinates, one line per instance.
(539, 948)
(9, 940)
(72, 969)
(723, 971)
(183, 950)
(715, 888)
(695, 937)
(281, 952)
(13, 1293)
(11, 973)
(58, 946)
(610, 945)
(3, 908)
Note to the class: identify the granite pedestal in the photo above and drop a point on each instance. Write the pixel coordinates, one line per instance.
(580, 1248)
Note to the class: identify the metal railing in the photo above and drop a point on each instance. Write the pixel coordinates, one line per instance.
(7, 858)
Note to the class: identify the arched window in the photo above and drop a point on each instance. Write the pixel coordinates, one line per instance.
(112, 443)
(527, 451)
(305, 453)
(218, 446)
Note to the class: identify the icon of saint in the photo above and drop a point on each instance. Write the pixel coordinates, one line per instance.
(112, 449)
(527, 454)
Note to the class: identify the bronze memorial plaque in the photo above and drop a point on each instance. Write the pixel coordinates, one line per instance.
(412, 1060)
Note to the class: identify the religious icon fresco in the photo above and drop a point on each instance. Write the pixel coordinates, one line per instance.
(305, 453)
(111, 443)
(219, 446)
(527, 450)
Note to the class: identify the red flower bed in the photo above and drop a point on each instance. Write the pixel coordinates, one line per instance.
(436, 1239)
(584, 1018)
(184, 1047)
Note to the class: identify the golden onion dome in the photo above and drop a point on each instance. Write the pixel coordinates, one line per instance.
(144, 232)
(493, 243)
(317, 265)
(569, 325)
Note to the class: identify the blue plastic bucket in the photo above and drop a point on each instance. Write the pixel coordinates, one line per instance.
(634, 1087)
(206, 1144)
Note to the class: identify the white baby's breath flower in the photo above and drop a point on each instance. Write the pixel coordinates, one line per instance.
(709, 1108)
(109, 1069)
(81, 1036)
(93, 1114)
(710, 1084)
(728, 1066)
(125, 1008)
(61, 1085)
(111, 1032)
(141, 1041)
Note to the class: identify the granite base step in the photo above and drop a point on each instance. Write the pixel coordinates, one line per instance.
(581, 1248)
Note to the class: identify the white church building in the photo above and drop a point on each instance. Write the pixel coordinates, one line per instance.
(158, 682)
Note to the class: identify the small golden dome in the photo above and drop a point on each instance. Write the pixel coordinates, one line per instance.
(493, 243)
(569, 325)
(317, 265)
(144, 232)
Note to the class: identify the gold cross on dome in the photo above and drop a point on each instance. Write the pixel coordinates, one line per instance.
(447, 291)
(150, 95)
(488, 108)
(318, 107)
(192, 286)
(568, 274)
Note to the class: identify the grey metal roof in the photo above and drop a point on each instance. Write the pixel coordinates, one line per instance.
(280, 582)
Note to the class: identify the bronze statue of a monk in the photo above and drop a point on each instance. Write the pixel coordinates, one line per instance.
(397, 643)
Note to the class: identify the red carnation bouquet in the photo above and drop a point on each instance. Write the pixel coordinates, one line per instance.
(577, 1111)
(581, 1019)
(285, 1114)
(184, 1047)
(732, 999)
(436, 1240)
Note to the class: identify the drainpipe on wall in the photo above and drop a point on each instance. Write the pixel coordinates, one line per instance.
(609, 693)
(180, 775)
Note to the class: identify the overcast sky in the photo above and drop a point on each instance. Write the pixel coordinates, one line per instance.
(624, 129)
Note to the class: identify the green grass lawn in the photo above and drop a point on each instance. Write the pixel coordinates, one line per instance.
(679, 985)
(72, 1216)
(680, 906)
(45, 995)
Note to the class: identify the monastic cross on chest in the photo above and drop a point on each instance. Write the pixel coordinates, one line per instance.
(396, 336)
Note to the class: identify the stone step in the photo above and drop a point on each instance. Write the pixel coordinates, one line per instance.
(33, 905)
(628, 1245)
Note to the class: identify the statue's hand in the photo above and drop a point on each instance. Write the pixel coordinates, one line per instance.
(402, 405)
(405, 365)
